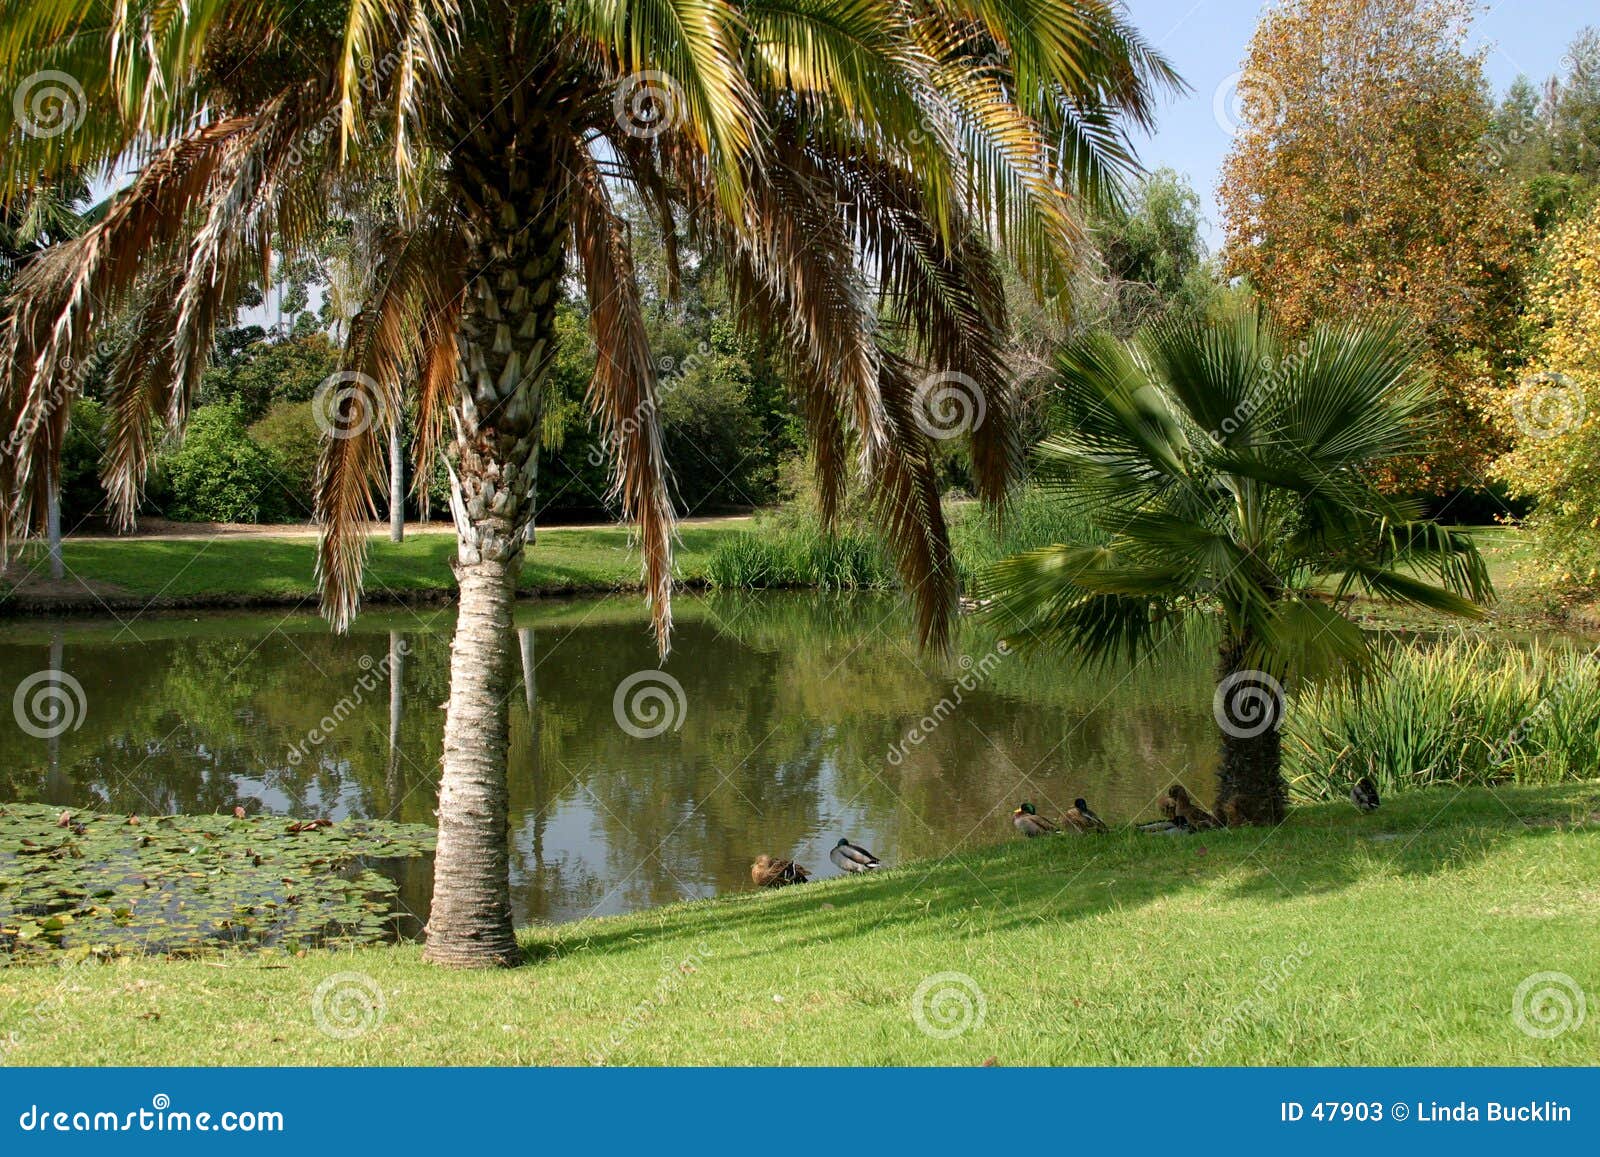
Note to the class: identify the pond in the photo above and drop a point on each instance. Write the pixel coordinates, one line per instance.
(788, 721)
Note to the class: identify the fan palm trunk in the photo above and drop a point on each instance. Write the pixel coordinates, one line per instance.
(1251, 789)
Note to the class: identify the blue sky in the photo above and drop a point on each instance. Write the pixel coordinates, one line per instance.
(1206, 39)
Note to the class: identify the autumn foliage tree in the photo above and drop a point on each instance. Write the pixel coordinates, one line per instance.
(1358, 183)
(1554, 411)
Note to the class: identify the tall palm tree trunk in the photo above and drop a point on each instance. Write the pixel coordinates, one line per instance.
(1251, 789)
(515, 258)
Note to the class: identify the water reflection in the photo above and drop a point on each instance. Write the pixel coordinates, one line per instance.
(806, 718)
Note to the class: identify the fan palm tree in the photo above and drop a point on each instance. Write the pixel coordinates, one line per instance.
(1229, 473)
(861, 169)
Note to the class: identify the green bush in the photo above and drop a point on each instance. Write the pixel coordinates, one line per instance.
(289, 432)
(220, 474)
(1462, 712)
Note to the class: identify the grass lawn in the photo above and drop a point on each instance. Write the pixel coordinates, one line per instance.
(1395, 938)
(238, 569)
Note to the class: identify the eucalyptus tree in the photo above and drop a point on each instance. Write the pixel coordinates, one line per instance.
(1231, 474)
(862, 168)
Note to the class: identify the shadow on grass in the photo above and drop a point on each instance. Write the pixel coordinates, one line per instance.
(1319, 850)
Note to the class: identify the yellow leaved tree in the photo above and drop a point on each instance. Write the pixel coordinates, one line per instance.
(1553, 414)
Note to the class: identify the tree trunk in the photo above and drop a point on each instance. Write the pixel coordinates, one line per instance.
(1249, 711)
(470, 924)
(52, 524)
(516, 245)
(397, 488)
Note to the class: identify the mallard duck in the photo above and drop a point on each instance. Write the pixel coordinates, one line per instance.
(1179, 825)
(1030, 823)
(1177, 802)
(847, 857)
(1365, 795)
(770, 873)
(1080, 818)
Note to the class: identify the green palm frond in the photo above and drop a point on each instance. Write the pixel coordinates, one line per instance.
(1230, 473)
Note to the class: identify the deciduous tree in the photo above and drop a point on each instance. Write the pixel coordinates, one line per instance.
(1358, 181)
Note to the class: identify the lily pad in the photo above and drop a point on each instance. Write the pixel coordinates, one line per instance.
(211, 882)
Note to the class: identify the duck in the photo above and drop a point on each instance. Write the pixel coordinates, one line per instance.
(768, 872)
(848, 857)
(1030, 823)
(1177, 802)
(1365, 794)
(1080, 818)
(1178, 825)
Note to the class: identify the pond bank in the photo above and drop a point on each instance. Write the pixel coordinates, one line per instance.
(1396, 938)
(116, 576)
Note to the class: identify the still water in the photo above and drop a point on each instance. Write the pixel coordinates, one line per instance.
(788, 721)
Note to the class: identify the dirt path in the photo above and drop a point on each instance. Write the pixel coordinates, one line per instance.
(160, 529)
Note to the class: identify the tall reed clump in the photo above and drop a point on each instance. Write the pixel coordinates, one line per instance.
(796, 552)
(790, 548)
(1032, 518)
(1463, 712)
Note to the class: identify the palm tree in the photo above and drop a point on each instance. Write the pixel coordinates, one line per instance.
(861, 170)
(1229, 473)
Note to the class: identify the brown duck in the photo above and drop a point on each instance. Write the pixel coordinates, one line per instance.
(771, 873)
(1177, 802)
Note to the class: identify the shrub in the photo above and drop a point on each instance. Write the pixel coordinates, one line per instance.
(289, 432)
(219, 474)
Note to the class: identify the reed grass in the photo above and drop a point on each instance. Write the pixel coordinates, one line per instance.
(1465, 712)
(790, 548)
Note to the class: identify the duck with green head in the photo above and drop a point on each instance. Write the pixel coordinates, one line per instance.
(1030, 823)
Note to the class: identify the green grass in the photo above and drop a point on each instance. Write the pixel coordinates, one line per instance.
(1395, 938)
(281, 569)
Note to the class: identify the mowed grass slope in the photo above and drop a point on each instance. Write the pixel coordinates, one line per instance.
(1395, 938)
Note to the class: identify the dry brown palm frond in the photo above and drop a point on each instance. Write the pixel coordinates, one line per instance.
(138, 393)
(64, 293)
(389, 342)
(793, 264)
(622, 393)
(907, 499)
(948, 296)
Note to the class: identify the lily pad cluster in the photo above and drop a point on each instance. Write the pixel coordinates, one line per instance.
(80, 883)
